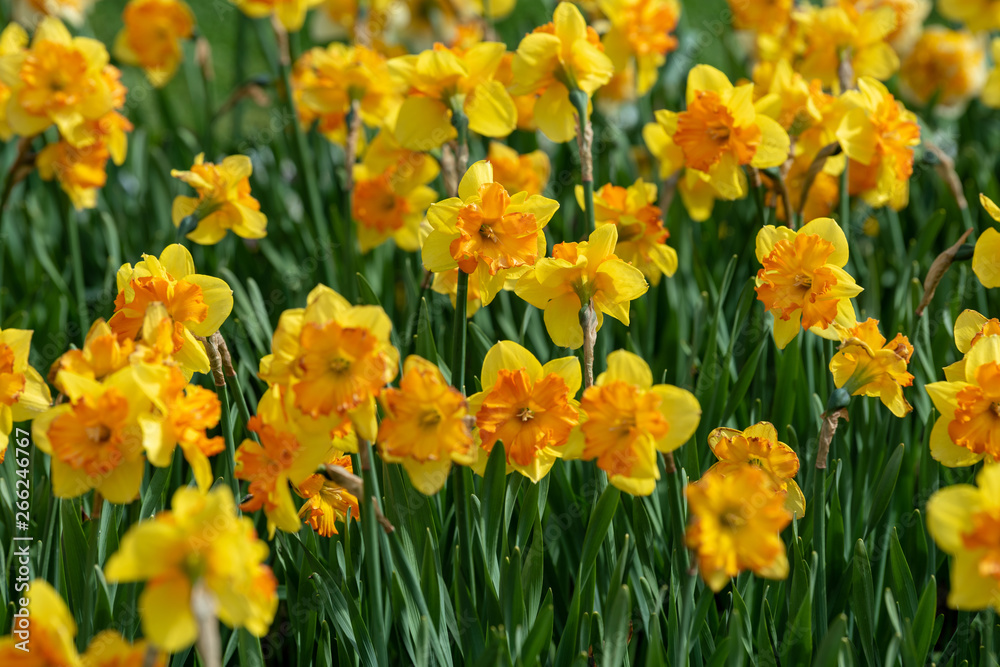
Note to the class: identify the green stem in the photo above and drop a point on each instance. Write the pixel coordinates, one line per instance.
(373, 572)
(585, 140)
(686, 602)
(819, 546)
(73, 228)
(307, 167)
(459, 328)
(241, 404)
(226, 424)
(353, 121)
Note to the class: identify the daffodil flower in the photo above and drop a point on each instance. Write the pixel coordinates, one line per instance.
(151, 37)
(866, 365)
(576, 274)
(519, 173)
(964, 521)
(326, 502)
(223, 202)
(23, 393)
(625, 420)
(970, 328)
(425, 427)
(526, 408)
(736, 523)
(803, 282)
(640, 29)
(290, 13)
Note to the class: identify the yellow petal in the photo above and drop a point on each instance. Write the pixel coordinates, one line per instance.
(987, 350)
(682, 411)
(555, 115)
(829, 230)
(967, 325)
(479, 174)
(219, 299)
(508, 355)
(428, 477)
(165, 608)
(491, 110)
(707, 78)
(176, 260)
(562, 320)
(774, 144)
(785, 330)
(627, 367)
(987, 203)
(570, 25)
(970, 590)
(857, 136)
(568, 368)
(986, 258)
(423, 124)
(945, 451)
(943, 395)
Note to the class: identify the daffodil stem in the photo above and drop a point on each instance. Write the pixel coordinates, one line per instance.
(674, 479)
(306, 165)
(819, 545)
(588, 322)
(226, 424)
(350, 156)
(462, 478)
(369, 528)
(585, 140)
(73, 229)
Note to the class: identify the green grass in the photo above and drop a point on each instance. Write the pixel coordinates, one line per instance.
(563, 569)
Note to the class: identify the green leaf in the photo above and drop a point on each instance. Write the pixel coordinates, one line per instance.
(492, 498)
(828, 653)
(901, 579)
(249, 650)
(863, 602)
(883, 492)
(616, 630)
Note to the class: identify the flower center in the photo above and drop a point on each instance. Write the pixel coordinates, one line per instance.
(707, 130)
(525, 414)
(429, 418)
(732, 520)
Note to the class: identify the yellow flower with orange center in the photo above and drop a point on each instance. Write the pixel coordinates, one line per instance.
(102, 354)
(526, 408)
(182, 414)
(326, 502)
(803, 282)
(758, 446)
(441, 82)
(866, 365)
(625, 420)
(486, 230)
(736, 523)
(519, 173)
(13, 40)
(270, 466)
(290, 13)
(23, 392)
(97, 439)
(278, 406)
(842, 27)
(968, 429)
(718, 133)
(695, 187)
(391, 195)
(151, 38)
(576, 274)
(200, 304)
(425, 427)
(986, 256)
(199, 542)
(325, 81)
(970, 328)
(977, 15)
(224, 201)
(946, 65)
(335, 357)
(641, 234)
(557, 58)
(640, 29)
(768, 17)
(57, 80)
(964, 520)
(878, 135)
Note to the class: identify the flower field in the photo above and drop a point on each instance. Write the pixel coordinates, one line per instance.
(486, 332)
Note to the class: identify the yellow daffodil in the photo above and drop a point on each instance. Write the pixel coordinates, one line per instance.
(968, 429)
(695, 187)
(326, 502)
(425, 427)
(576, 274)
(199, 542)
(787, 96)
(991, 88)
(102, 354)
(197, 304)
(759, 446)
(977, 15)
(13, 40)
(866, 365)
(519, 173)
(441, 82)
(486, 231)
(182, 414)
(270, 466)
(29, 12)
(151, 38)
(494, 9)
(279, 407)
(719, 132)
(391, 197)
(325, 81)
(526, 408)
(964, 520)
(290, 13)
(861, 33)
(109, 649)
(640, 29)
(946, 65)
(910, 16)
(50, 631)
(970, 328)
(335, 357)
(641, 234)
(557, 58)
(736, 523)
(878, 135)
(58, 80)
(23, 392)
(769, 17)
(803, 282)
(223, 202)
(96, 439)
(625, 420)
(986, 256)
